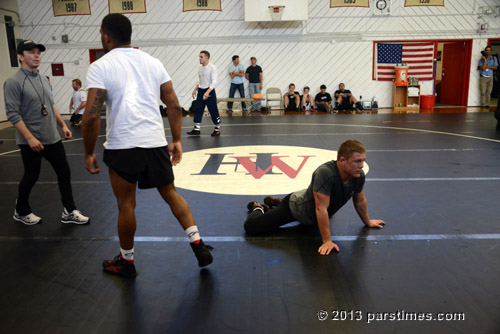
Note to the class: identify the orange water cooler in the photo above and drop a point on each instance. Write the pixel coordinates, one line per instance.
(401, 75)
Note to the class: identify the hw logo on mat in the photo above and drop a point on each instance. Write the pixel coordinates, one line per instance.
(250, 170)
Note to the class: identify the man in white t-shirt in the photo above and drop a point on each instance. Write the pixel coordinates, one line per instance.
(136, 151)
(77, 103)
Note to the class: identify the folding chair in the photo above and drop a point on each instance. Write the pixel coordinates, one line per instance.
(274, 94)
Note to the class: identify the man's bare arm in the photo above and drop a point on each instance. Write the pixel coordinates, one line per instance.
(174, 115)
(91, 120)
(361, 206)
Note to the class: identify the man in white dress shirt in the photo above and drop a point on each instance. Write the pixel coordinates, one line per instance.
(205, 95)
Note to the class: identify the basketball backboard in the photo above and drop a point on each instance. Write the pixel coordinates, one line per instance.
(258, 10)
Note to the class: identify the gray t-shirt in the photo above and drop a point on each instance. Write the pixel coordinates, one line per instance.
(24, 93)
(325, 180)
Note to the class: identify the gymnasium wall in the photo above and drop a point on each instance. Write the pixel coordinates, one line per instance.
(7, 8)
(334, 45)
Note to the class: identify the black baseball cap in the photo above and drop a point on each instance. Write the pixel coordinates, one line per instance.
(28, 45)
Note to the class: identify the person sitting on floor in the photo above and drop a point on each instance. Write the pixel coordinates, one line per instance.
(345, 99)
(292, 99)
(323, 100)
(307, 100)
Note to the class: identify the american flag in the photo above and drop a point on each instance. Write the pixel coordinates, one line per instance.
(418, 55)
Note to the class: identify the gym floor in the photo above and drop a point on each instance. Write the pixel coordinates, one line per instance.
(435, 268)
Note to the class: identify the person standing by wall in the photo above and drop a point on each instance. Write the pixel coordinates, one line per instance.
(236, 73)
(487, 65)
(255, 77)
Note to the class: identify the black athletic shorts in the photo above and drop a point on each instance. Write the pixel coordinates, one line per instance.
(150, 167)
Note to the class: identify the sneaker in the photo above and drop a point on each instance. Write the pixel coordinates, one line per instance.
(252, 206)
(194, 132)
(119, 266)
(272, 201)
(74, 217)
(30, 219)
(215, 133)
(202, 253)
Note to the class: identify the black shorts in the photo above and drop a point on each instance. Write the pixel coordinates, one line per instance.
(150, 167)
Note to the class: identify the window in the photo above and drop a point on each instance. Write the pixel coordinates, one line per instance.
(11, 41)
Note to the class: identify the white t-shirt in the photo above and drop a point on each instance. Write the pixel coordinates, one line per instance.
(132, 80)
(79, 96)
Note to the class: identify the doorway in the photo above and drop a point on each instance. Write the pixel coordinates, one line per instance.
(495, 51)
(453, 66)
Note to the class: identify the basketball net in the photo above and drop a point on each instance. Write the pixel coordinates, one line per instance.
(276, 12)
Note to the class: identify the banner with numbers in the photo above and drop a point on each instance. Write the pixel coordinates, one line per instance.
(127, 6)
(349, 3)
(71, 7)
(190, 5)
(411, 3)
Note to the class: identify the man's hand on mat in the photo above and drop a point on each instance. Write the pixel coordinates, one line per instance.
(327, 247)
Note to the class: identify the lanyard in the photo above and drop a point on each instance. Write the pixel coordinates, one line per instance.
(42, 98)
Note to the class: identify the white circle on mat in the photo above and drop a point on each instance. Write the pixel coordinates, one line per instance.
(251, 170)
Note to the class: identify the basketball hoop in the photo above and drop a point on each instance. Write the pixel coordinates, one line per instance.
(276, 12)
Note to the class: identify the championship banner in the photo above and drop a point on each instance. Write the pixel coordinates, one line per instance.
(412, 3)
(349, 3)
(71, 7)
(189, 5)
(127, 6)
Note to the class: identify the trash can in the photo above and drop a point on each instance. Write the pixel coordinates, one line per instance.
(427, 101)
(401, 75)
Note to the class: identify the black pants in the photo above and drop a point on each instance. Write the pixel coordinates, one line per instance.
(75, 118)
(32, 162)
(211, 104)
(262, 223)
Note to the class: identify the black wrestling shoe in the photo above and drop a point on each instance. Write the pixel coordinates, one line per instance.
(216, 133)
(251, 206)
(202, 253)
(272, 201)
(194, 132)
(119, 266)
